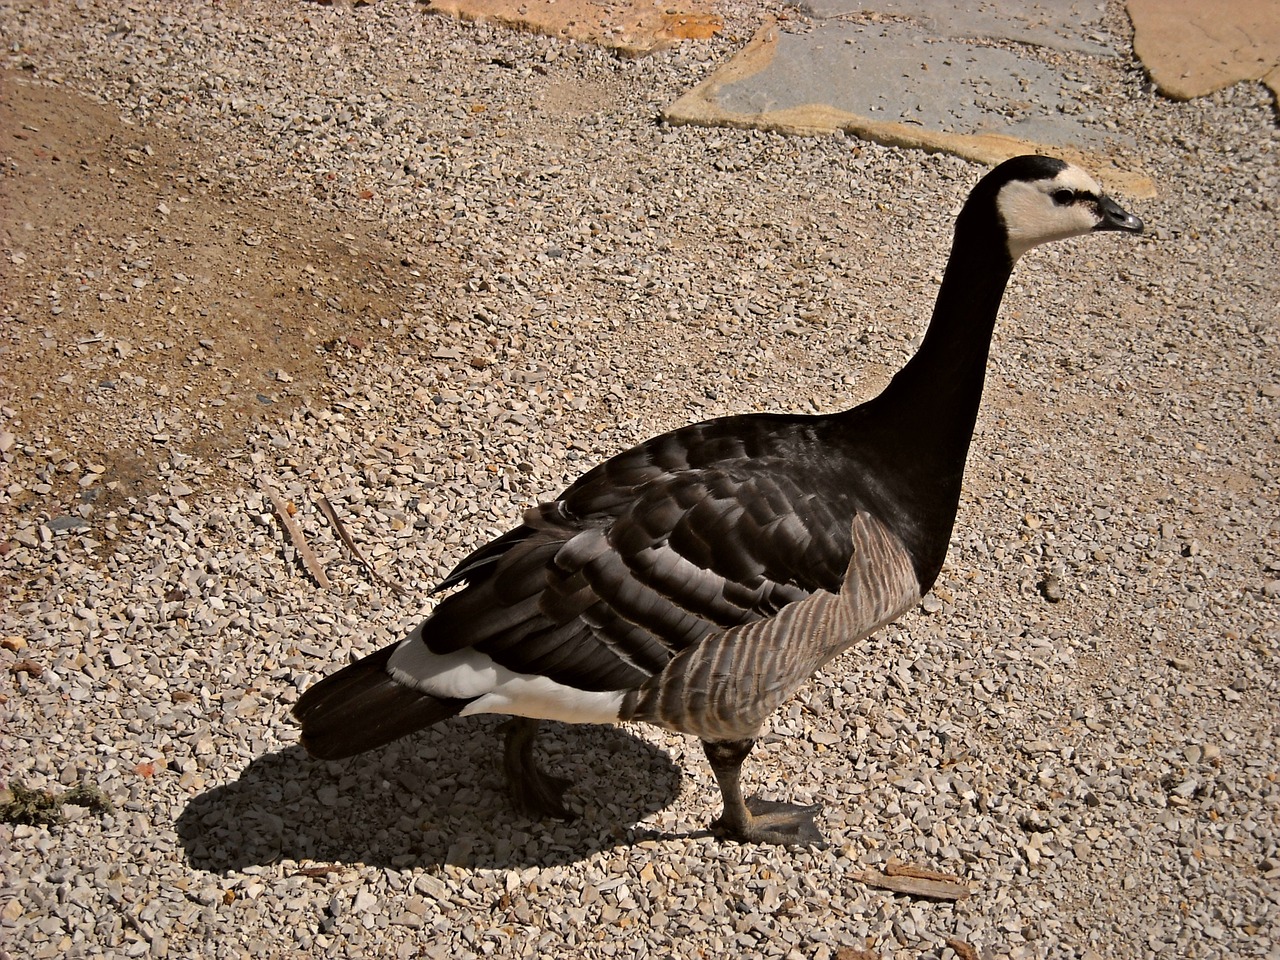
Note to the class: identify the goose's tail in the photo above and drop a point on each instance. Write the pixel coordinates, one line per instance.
(361, 707)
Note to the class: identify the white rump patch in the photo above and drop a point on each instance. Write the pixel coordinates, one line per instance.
(470, 673)
(522, 695)
(464, 674)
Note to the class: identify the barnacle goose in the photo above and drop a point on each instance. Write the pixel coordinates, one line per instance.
(697, 580)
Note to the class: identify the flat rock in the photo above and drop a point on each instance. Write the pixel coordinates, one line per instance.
(1060, 24)
(1193, 47)
(632, 28)
(900, 84)
(930, 74)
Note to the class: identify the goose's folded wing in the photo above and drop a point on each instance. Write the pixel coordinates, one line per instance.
(646, 555)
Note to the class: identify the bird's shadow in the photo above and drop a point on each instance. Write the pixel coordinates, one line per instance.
(434, 798)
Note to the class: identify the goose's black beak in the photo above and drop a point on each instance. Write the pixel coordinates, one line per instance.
(1116, 218)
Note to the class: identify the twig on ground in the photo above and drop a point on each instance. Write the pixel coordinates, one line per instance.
(916, 882)
(896, 868)
(332, 516)
(309, 559)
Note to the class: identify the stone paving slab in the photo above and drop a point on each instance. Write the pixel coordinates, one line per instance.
(985, 80)
(904, 84)
(632, 27)
(1193, 47)
(1060, 24)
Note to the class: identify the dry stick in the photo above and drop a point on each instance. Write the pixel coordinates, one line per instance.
(319, 870)
(926, 887)
(332, 516)
(896, 868)
(309, 559)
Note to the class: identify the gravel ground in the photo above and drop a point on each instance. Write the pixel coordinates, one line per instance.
(1081, 720)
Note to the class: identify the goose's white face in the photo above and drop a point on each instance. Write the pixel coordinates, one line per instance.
(1037, 211)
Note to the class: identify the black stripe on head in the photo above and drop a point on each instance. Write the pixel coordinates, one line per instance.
(1030, 167)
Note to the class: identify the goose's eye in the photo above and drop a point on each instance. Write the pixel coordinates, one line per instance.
(1063, 197)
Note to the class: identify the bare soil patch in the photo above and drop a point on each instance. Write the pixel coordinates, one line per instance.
(148, 311)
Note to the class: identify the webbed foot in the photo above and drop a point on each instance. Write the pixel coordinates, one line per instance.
(771, 821)
(533, 793)
(755, 820)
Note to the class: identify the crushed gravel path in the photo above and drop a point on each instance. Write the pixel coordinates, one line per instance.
(1080, 722)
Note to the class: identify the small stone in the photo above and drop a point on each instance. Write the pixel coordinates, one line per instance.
(1051, 588)
(431, 886)
(29, 667)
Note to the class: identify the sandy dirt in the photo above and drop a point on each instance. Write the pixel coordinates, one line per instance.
(138, 288)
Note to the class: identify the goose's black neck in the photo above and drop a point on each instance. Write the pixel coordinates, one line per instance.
(942, 383)
(915, 436)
